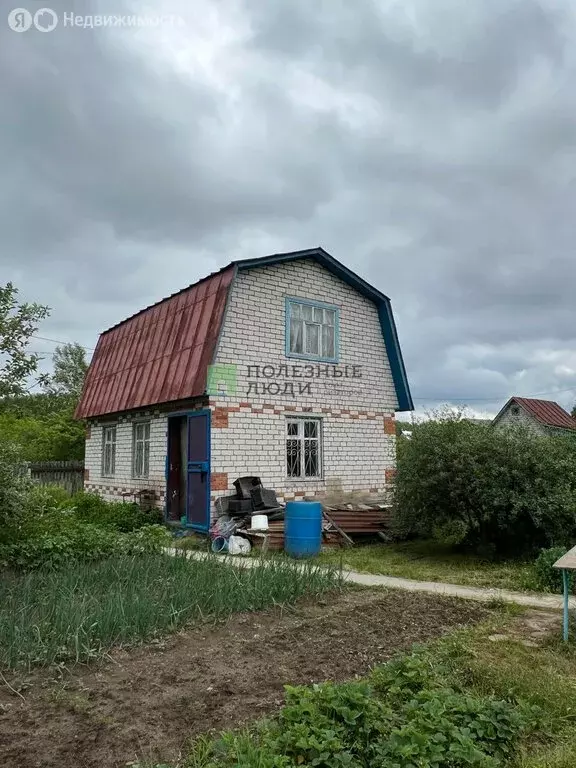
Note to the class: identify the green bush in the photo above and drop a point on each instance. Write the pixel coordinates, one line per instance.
(46, 498)
(43, 427)
(122, 516)
(546, 577)
(59, 538)
(14, 487)
(404, 716)
(500, 491)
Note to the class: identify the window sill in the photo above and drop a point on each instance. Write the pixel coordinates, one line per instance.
(312, 358)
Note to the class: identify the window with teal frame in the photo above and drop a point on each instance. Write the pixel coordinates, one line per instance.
(312, 330)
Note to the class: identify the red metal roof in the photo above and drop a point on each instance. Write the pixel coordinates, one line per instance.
(160, 354)
(547, 412)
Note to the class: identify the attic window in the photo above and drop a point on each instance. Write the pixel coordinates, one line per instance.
(312, 330)
(515, 410)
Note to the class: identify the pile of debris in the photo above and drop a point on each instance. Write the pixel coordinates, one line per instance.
(246, 512)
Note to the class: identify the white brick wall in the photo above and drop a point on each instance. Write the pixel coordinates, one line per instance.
(112, 488)
(356, 449)
(522, 417)
(254, 334)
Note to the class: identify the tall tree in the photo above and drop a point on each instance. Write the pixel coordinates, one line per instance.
(18, 322)
(70, 368)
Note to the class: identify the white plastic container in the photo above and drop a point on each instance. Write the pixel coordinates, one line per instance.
(259, 523)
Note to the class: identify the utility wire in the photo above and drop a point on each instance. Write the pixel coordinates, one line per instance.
(55, 341)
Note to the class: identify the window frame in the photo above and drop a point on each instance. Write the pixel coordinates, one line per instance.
(300, 420)
(144, 441)
(105, 429)
(318, 305)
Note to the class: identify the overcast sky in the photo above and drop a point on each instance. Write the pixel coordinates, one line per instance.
(430, 145)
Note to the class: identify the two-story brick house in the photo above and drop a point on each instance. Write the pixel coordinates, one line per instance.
(287, 367)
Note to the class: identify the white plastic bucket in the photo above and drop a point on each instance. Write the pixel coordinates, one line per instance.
(259, 523)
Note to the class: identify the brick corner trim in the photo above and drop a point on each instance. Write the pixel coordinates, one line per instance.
(219, 481)
(220, 418)
(390, 425)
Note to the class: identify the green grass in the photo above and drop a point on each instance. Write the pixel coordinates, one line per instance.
(430, 561)
(80, 612)
(542, 676)
(194, 542)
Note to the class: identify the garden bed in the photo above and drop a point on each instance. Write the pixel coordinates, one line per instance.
(148, 701)
(82, 610)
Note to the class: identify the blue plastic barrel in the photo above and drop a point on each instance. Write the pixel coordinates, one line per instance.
(303, 528)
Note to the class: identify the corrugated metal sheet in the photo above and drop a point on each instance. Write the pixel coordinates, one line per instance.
(159, 355)
(547, 412)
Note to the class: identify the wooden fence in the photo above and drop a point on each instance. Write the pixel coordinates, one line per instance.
(69, 474)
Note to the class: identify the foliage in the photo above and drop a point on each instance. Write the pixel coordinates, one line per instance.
(52, 437)
(546, 577)
(80, 612)
(499, 491)
(70, 368)
(119, 515)
(18, 322)
(46, 498)
(13, 493)
(405, 715)
(45, 525)
(43, 427)
(58, 538)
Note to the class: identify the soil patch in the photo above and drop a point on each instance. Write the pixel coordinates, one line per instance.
(145, 703)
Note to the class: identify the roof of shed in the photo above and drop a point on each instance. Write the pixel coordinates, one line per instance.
(162, 353)
(547, 412)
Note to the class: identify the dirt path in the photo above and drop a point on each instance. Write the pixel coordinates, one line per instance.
(147, 702)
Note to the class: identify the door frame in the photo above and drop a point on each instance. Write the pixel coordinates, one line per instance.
(191, 414)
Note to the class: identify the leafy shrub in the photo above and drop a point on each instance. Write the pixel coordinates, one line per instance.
(14, 487)
(545, 576)
(59, 537)
(119, 515)
(43, 427)
(45, 498)
(404, 716)
(496, 490)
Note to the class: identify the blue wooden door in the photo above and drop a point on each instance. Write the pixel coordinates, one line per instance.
(198, 485)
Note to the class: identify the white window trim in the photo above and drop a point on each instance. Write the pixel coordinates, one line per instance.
(302, 417)
(135, 425)
(105, 428)
(319, 305)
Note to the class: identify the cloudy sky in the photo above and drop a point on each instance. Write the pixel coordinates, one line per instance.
(429, 145)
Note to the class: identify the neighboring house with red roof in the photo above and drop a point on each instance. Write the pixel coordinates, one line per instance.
(543, 416)
(286, 367)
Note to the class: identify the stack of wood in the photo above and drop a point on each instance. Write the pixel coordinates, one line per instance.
(342, 526)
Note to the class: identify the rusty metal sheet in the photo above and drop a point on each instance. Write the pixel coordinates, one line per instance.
(547, 412)
(159, 355)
